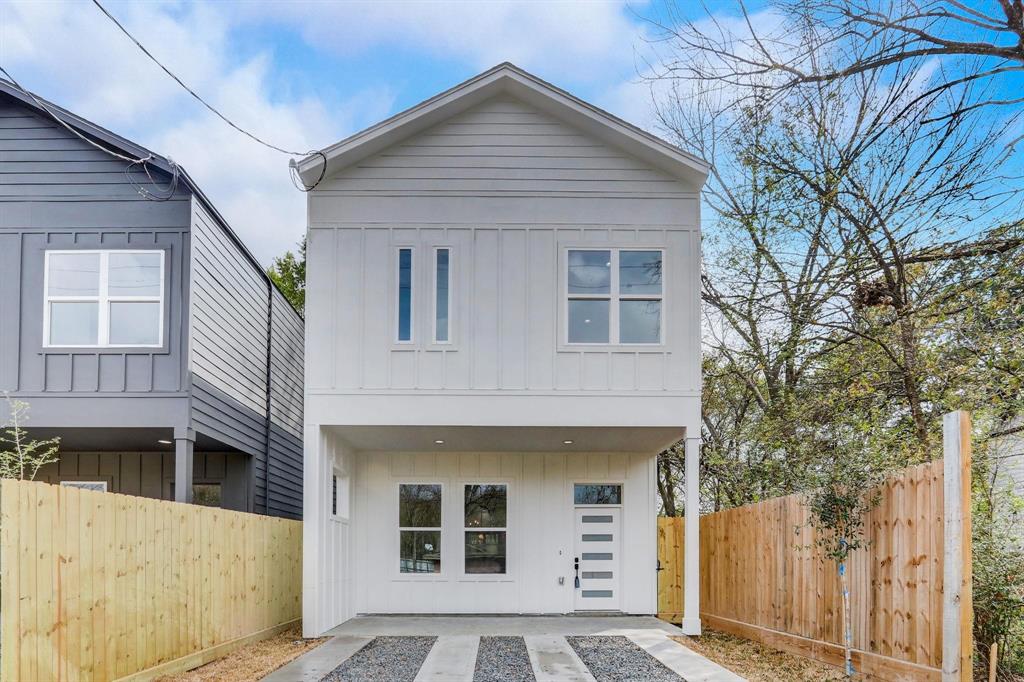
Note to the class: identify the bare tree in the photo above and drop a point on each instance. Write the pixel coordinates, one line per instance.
(799, 42)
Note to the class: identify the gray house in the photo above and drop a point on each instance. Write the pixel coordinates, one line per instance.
(137, 326)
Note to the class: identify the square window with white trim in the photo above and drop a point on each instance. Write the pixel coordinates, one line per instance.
(614, 296)
(103, 299)
(419, 527)
(486, 523)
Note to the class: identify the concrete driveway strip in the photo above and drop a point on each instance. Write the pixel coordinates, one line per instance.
(451, 660)
(685, 662)
(312, 666)
(553, 659)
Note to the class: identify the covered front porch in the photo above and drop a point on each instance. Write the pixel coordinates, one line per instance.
(472, 519)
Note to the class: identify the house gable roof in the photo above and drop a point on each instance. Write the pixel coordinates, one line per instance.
(48, 110)
(510, 79)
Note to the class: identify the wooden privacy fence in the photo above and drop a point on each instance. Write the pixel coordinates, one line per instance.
(98, 586)
(762, 578)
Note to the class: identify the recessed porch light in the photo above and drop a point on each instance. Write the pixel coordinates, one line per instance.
(438, 442)
(568, 442)
(164, 442)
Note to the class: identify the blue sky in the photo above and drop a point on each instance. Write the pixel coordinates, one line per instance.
(303, 75)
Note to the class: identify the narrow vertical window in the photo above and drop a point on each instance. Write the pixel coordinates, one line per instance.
(442, 295)
(334, 494)
(405, 294)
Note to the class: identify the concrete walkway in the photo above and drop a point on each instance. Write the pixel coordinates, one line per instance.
(453, 656)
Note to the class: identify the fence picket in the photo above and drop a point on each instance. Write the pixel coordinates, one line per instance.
(762, 576)
(98, 586)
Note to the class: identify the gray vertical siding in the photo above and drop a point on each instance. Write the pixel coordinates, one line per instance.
(57, 192)
(150, 474)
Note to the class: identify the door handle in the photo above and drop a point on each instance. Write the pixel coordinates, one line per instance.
(576, 566)
(660, 567)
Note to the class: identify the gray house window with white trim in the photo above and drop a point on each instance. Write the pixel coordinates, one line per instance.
(103, 299)
(614, 296)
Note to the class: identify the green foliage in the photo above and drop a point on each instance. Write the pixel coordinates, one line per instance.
(288, 272)
(847, 490)
(998, 572)
(21, 456)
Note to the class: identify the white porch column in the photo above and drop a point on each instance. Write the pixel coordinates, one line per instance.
(314, 518)
(184, 444)
(691, 540)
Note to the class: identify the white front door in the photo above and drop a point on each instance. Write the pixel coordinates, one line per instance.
(596, 558)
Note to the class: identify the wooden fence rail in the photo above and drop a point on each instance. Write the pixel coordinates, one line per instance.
(98, 586)
(761, 577)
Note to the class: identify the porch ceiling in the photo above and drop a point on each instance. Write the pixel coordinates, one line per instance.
(507, 438)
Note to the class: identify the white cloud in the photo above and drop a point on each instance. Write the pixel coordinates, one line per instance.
(561, 39)
(70, 53)
(73, 55)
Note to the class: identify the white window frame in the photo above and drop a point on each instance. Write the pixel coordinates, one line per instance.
(433, 298)
(445, 550)
(614, 297)
(616, 481)
(102, 298)
(489, 529)
(81, 484)
(339, 496)
(412, 295)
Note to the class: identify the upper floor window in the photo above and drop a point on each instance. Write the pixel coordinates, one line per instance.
(103, 299)
(442, 295)
(614, 296)
(405, 294)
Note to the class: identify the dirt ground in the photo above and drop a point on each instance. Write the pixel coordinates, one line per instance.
(252, 662)
(757, 662)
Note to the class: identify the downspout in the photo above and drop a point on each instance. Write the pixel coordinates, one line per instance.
(266, 449)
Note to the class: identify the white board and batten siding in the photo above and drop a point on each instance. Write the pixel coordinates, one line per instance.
(539, 537)
(508, 189)
(508, 173)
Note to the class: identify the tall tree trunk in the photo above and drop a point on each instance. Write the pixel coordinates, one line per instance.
(666, 485)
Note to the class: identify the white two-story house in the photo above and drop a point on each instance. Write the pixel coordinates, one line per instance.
(503, 331)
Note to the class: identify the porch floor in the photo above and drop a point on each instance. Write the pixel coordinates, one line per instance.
(553, 651)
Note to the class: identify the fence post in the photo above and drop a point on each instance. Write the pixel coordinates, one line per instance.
(957, 609)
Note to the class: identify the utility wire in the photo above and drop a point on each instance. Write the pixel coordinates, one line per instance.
(214, 110)
(163, 194)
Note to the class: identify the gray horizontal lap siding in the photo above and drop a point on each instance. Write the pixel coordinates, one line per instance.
(502, 146)
(238, 379)
(229, 315)
(58, 192)
(286, 368)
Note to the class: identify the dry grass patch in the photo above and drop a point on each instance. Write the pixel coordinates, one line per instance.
(757, 662)
(254, 661)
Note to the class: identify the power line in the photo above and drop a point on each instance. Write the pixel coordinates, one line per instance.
(163, 194)
(215, 111)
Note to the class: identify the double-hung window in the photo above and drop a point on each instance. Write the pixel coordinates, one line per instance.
(103, 299)
(486, 519)
(419, 527)
(614, 296)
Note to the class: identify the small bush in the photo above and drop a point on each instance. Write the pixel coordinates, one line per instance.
(998, 566)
